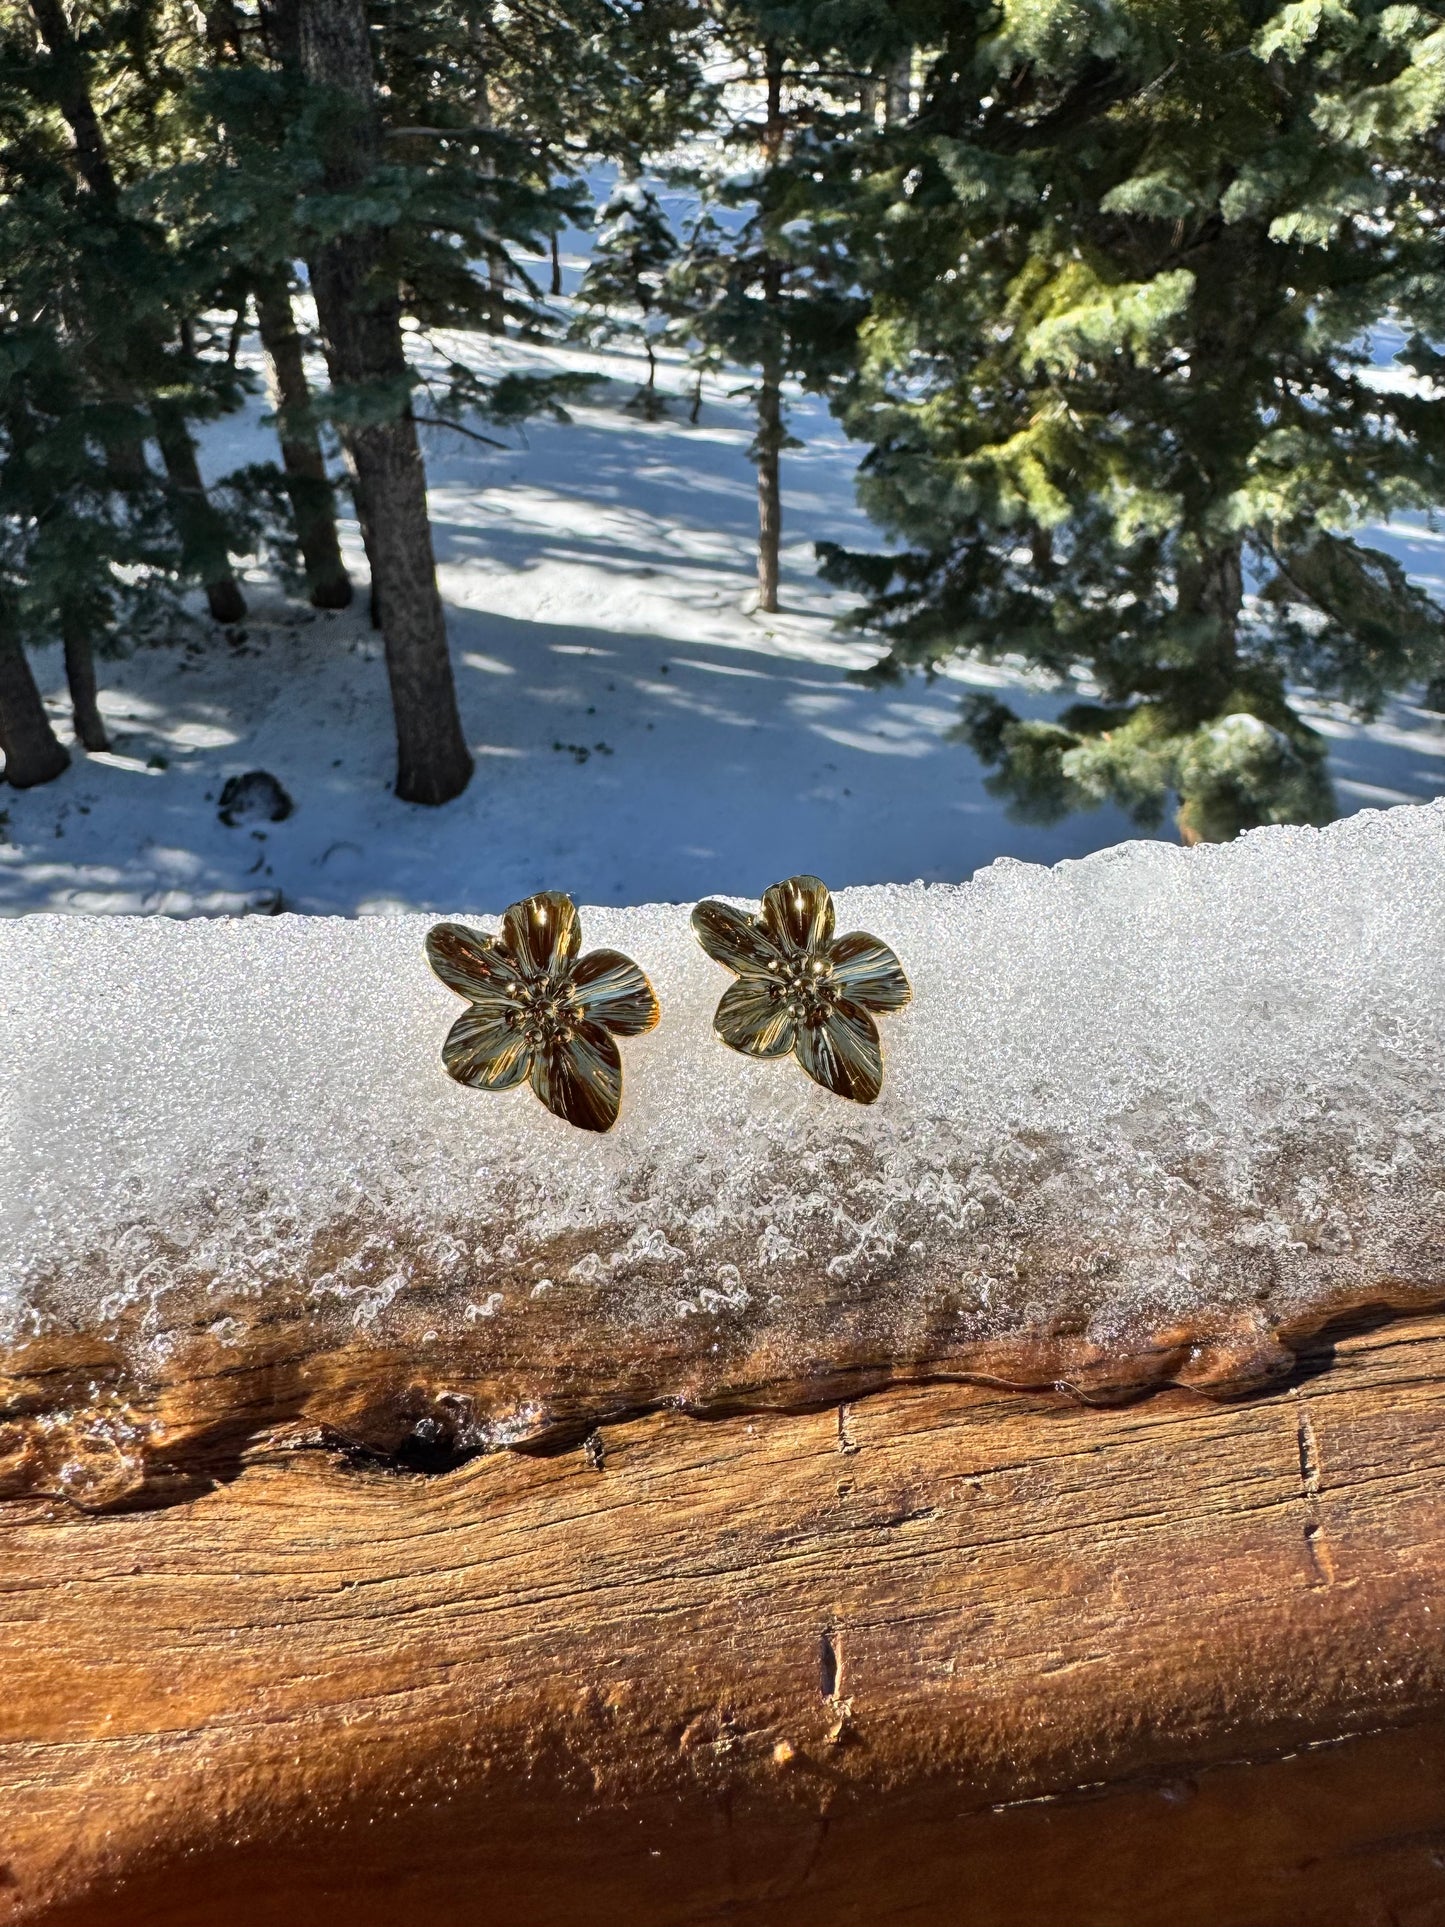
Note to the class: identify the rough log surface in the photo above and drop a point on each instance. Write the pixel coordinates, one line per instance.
(940, 1654)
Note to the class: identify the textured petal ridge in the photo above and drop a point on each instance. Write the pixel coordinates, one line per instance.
(798, 915)
(754, 1021)
(579, 1078)
(485, 1051)
(734, 939)
(614, 992)
(842, 1053)
(867, 973)
(542, 933)
(469, 963)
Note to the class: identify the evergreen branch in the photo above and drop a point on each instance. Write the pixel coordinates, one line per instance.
(460, 428)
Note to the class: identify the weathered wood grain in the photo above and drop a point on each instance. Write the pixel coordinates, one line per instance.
(943, 1654)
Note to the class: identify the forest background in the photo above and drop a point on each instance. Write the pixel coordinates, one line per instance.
(1130, 316)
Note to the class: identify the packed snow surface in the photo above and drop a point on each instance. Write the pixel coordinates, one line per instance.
(1128, 1087)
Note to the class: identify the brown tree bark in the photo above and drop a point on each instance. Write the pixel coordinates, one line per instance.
(360, 317)
(313, 501)
(72, 96)
(769, 459)
(201, 530)
(497, 289)
(898, 89)
(768, 444)
(32, 752)
(80, 677)
(1211, 590)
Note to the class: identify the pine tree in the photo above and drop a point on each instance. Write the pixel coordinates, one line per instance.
(400, 160)
(86, 525)
(623, 295)
(1116, 383)
(756, 284)
(313, 499)
(236, 37)
(147, 361)
(698, 283)
(162, 162)
(360, 314)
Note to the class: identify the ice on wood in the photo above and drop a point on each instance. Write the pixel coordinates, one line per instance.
(1132, 1089)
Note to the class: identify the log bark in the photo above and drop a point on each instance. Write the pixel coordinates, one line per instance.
(32, 753)
(939, 1654)
(360, 317)
(313, 501)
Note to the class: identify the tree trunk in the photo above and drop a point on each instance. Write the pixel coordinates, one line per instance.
(768, 446)
(556, 265)
(360, 318)
(32, 753)
(898, 89)
(481, 105)
(201, 530)
(236, 337)
(313, 500)
(1224, 597)
(72, 97)
(770, 494)
(1211, 589)
(80, 676)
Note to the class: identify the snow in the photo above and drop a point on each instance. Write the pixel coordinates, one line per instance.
(641, 733)
(1129, 1088)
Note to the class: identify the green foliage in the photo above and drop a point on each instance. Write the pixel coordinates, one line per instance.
(624, 293)
(1232, 774)
(755, 284)
(1095, 285)
(208, 176)
(93, 340)
(79, 535)
(1116, 385)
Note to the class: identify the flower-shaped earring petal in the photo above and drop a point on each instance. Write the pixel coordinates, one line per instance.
(800, 989)
(541, 1011)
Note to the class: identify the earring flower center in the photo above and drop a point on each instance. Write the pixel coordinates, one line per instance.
(805, 987)
(546, 1013)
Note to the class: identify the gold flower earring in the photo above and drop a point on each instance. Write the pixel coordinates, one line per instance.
(800, 989)
(540, 1011)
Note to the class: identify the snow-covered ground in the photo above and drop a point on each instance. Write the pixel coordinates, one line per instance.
(640, 733)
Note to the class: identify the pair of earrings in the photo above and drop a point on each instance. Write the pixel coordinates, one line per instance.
(541, 1011)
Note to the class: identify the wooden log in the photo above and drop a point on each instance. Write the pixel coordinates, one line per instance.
(944, 1653)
